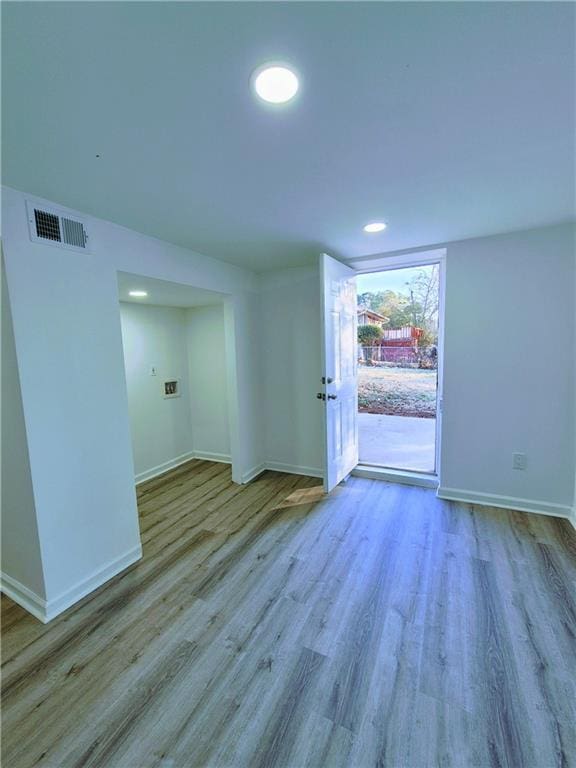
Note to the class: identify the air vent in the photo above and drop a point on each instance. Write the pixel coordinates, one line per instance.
(74, 233)
(52, 227)
(47, 225)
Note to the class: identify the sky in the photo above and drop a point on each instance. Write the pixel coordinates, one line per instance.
(392, 280)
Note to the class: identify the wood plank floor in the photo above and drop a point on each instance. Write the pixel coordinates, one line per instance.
(268, 625)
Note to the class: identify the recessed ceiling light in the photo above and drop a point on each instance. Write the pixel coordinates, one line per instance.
(138, 294)
(375, 226)
(275, 83)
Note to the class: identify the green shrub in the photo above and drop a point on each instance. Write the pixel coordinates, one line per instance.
(368, 334)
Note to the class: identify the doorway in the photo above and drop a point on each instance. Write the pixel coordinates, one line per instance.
(179, 382)
(399, 360)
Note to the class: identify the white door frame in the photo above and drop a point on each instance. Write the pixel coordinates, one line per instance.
(382, 263)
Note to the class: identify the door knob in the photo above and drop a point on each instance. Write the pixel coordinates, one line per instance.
(321, 396)
(332, 397)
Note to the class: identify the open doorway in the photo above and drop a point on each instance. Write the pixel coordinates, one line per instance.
(399, 352)
(175, 340)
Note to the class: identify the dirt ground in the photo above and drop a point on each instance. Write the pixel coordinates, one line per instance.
(397, 391)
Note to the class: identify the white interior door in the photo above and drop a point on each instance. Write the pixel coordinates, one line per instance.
(339, 393)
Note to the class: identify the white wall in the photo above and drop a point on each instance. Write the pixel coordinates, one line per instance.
(188, 345)
(67, 337)
(509, 370)
(67, 334)
(69, 350)
(21, 556)
(161, 428)
(292, 369)
(208, 386)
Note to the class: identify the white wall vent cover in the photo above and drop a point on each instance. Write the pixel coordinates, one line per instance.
(48, 225)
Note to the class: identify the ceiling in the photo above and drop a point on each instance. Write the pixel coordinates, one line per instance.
(164, 293)
(446, 120)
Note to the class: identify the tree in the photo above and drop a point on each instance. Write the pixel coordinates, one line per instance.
(419, 306)
(425, 286)
(367, 335)
(394, 306)
(370, 300)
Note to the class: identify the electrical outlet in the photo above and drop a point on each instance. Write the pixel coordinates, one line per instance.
(519, 461)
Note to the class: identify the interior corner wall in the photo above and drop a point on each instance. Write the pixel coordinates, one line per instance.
(160, 427)
(292, 370)
(243, 363)
(68, 344)
(509, 376)
(208, 382)
(21, 556)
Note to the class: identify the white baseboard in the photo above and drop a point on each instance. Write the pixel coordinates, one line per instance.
(505, 502)
(294, 469)
(148, 474)
(396, 476)
(252, 473)
(225, 458)
(46, 610)
(89, 584)
(276, 466)
(27, 599)
(222, 458)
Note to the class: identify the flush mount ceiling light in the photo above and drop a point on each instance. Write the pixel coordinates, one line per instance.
(375, 226)
(275, 83)
(138, 294)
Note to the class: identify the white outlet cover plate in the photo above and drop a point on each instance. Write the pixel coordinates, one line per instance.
(519, 461)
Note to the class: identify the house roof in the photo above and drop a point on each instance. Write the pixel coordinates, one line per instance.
(372, 314)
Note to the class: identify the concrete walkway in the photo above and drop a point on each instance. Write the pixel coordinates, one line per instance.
(398, 442)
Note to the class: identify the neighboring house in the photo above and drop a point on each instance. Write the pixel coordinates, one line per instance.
(401, 337)
(368, 317)
(397, 344)
(400, 344)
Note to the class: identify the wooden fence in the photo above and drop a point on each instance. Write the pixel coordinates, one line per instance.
(406, 357)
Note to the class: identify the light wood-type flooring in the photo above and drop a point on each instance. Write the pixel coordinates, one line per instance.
(269, 625)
